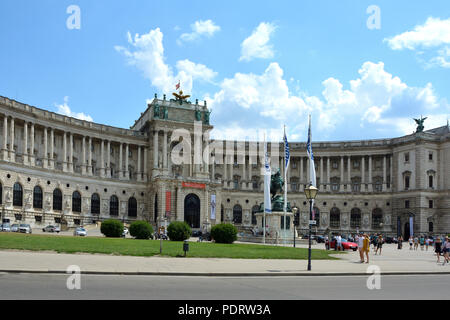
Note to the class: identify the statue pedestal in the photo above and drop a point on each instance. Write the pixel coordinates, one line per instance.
(274, 232)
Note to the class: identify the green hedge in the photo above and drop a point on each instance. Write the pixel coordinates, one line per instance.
(179, 231)
(224, 233)
(141, 230)
(112, 228)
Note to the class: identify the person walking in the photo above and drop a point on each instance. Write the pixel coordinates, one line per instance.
(360, 241)
(427, 242)
(410, 243)
(446, 248)
(422, 242)
(339, 242)
(437, 248)
(399, 242)
(366, 246)
(416, 243)
(379, 244)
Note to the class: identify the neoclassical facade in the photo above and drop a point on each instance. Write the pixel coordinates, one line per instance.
(57, 169)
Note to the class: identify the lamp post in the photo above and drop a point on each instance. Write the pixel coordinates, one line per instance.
(310, 193)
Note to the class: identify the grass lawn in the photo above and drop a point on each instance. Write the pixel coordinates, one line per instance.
(132, 247)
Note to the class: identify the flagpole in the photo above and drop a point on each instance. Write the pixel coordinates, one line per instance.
(264, 217)
(285, 188)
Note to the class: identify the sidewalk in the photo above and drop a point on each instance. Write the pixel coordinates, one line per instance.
(392, 261)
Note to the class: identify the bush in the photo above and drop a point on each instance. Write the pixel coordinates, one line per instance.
(179, 231)
(112, 228)
(224, 233)
(141, 230)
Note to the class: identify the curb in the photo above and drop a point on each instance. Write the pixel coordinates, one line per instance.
(223, 274)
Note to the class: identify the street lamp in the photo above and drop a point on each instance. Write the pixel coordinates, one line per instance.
(310, 193)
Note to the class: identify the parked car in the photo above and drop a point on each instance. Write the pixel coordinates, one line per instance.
(320, 239)
(5, 227)
(25, 228)
(80, 232)
(15, 227)
(51, 228)
(346, 245)
(391, 240)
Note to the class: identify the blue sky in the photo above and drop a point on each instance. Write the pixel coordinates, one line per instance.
(259, 64)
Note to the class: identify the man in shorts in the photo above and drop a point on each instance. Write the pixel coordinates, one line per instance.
(360, 242)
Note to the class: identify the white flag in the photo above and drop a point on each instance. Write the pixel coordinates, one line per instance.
(312, 169)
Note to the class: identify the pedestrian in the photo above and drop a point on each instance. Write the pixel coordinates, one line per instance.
(399, 242)
(410, 243)
(422, 242)
(437, 248)
(339, 242)
(446, 249)
(360, 241)
(416, 243)
(379, 244)
(366, 246)
(427, 242)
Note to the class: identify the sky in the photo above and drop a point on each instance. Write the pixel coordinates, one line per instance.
(362, 69)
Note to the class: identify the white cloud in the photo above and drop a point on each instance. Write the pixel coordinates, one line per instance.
(64, 109)
(256, 45)
(434, 32)
(200, 28)
(147, 55)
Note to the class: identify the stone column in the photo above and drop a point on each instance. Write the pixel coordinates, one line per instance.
(370, 174)
(90, 169)
(349, 176)
(5, 138)
(102, 159)
(52, 148)
(243, 171)
(32, 158)
(45, 158)
(363, 173)
(120, 161)
(328, 174)
(341, 189)
(108, 161)
(83, 156)
(71, 152)
(165, 150)
(391, 159)
(139, 173)
(145, 163)
(25, 143)
(155, 149)
(65, 152)
(301, 174)
(384, 173)
(322, 180)
(127, 154)
(12, 154)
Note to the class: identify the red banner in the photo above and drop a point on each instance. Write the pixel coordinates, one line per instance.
(168, 202)
(193, 185)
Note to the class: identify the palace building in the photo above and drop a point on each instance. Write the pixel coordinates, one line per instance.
(58, 169)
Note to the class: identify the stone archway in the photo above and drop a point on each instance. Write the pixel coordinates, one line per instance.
(192, 210)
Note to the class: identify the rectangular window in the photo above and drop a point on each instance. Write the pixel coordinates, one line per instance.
(355, 164)
(430, 204)
(407, 182)
(406, 156)
(430, 156)
(407, 204)
(38, 218)
(430, 181)
(335, 165)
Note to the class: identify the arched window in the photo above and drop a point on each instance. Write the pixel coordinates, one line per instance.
(57, 199)
(17, 195)
(377, 218)
(355, 218)
(132, 207)
(237, 214)
(76, 201)
(95, 204)
(113, 206)
(37, 197)
(335, 218)
(255, 209)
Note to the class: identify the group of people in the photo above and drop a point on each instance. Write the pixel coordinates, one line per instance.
(363, 242)
(423, 240)
(442, 247)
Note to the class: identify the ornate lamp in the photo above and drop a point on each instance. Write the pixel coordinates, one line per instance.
(311, 193)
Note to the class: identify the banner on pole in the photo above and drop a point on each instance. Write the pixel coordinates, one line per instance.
(213, 207)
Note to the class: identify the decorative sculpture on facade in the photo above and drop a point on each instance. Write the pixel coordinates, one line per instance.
(276, 186)
(420, 125)
(156, 111)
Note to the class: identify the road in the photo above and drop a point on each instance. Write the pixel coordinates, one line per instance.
(52, 286)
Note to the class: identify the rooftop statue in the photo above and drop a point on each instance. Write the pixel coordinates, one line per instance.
(420, 125)
(180, 97)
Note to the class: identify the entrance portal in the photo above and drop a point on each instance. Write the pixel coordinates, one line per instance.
(406, 233)
(192, 210)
